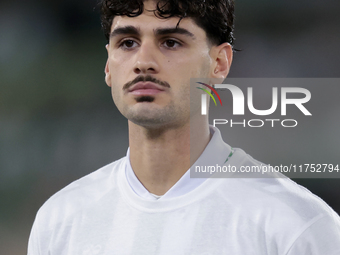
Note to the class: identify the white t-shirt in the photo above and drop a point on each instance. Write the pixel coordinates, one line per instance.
(101, 213)
(184, 185)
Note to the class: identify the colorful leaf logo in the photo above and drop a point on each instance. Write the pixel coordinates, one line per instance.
(213, 90)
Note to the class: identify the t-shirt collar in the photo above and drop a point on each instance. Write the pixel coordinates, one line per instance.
(215, 152)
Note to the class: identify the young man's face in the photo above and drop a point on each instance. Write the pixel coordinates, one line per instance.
(146, 46)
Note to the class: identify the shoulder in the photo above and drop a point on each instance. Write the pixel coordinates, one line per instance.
(71, 205)
(286, 212)
(82, 192)
(280, 206)
(275, 191)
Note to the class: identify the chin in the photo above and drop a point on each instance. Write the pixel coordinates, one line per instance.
(148, 121)
(152, 115)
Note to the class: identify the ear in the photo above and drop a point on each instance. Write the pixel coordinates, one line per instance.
(107, 70)
(222, 56)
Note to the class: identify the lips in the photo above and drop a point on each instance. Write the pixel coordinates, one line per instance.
(145, 89)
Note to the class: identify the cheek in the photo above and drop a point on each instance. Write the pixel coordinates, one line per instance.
(119, 75)
(192, 67)
(119, 68)
(115, 95)
(116, 79)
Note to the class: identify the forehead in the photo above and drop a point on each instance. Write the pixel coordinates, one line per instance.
(147, 21)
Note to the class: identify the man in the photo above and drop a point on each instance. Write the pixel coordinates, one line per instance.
(146, 202)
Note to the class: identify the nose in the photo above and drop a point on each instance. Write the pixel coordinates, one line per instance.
(146, 59)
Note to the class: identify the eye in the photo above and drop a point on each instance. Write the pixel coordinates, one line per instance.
(128, 44)
(170, 43)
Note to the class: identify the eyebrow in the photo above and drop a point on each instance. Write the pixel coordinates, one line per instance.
(175, 30)
(131, 30)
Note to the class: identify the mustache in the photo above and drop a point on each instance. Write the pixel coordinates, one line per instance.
(145, 79)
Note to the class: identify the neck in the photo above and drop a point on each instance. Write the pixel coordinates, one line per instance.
(160, 157)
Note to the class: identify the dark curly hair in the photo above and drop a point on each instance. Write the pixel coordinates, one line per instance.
(216, 17)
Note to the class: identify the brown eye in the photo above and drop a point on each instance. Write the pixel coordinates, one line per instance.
(170, 43)
(128, 43)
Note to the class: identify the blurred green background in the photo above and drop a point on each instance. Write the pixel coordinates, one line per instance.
(57, 119)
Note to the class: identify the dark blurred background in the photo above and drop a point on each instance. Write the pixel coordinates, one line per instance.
(57, 119)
